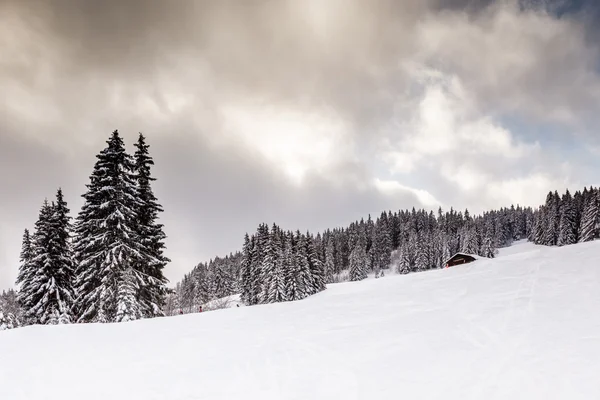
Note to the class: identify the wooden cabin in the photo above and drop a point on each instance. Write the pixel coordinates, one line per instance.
(460, 258)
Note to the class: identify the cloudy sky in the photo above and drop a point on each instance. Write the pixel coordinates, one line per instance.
(309, 113)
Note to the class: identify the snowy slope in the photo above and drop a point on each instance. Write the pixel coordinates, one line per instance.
(523, 326)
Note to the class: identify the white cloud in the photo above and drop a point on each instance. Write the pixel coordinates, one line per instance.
(516, 61)
(296, 142)
(394, 188)
(523, 189)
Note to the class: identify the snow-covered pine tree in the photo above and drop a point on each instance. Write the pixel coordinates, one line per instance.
(107, 247)
(199, 290)
(293, 286)
(269, 264)
(222, 282)
(552, 220)
(62, 259)
(470, 243)
(589, 221)
(259, 275)
(404, 265)
(384, 238)
(329, 260)
(538, 225)
(245, 272)
(487, 248)
(306, 282)
(7, 321)
(358, 258)
(152, 260)
(568, 226)
(441, 249)
(26, 273)
(10, 311)
(422, 253)
(49, 290)
(276, 289)
(315, 266)
(255, 277)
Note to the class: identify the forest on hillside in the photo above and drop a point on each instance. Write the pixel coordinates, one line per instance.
(276, 265)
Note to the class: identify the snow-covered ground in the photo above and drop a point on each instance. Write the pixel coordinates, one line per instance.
(523, 326)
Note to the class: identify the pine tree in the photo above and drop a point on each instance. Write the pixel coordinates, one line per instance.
(441, 250)
(384, 238)
(26, 272)
(255, 270)
(358, 258)
(222, 282)
(329, 261)
(552, 220)
(107, 247)
(422, 254)
(47, 291)
(404, 266)
(277, 291)
(245, 272)
(151, 236)
(304, 277)
(269, 264)
(315, 266)
(292, 284)
(470, 243)
(568, 226)
(589, 221)
(538, 228)
(62, 258)
(487, 249)
(10, 311)
(7, 321)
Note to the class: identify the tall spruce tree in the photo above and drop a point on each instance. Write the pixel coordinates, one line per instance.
(222, 282)
(47, 290)
(358, 258)
(293, 285)
(270, 264)
(26, 272)
(245, 272)
(304, 276)
(329, 260)
(589, 221)
(315, 266)
(107, 247)
(487, 248)
(568, 221)
(62, 292)
(276, 289)
(151, 260)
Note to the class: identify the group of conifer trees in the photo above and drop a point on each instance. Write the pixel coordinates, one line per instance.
(278, 266)
(206, 282)
(567, 219)
(108, 265)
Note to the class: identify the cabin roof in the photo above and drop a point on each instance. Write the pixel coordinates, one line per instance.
(476, 257)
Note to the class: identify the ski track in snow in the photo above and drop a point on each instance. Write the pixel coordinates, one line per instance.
(523, 326)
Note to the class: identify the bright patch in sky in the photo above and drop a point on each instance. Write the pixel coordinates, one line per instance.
(292, 141)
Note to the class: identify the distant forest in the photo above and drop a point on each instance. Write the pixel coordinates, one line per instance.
(276, 265)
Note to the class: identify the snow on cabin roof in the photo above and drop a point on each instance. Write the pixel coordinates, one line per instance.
(476, 257)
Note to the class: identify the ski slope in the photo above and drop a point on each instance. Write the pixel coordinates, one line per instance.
(523, 326)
